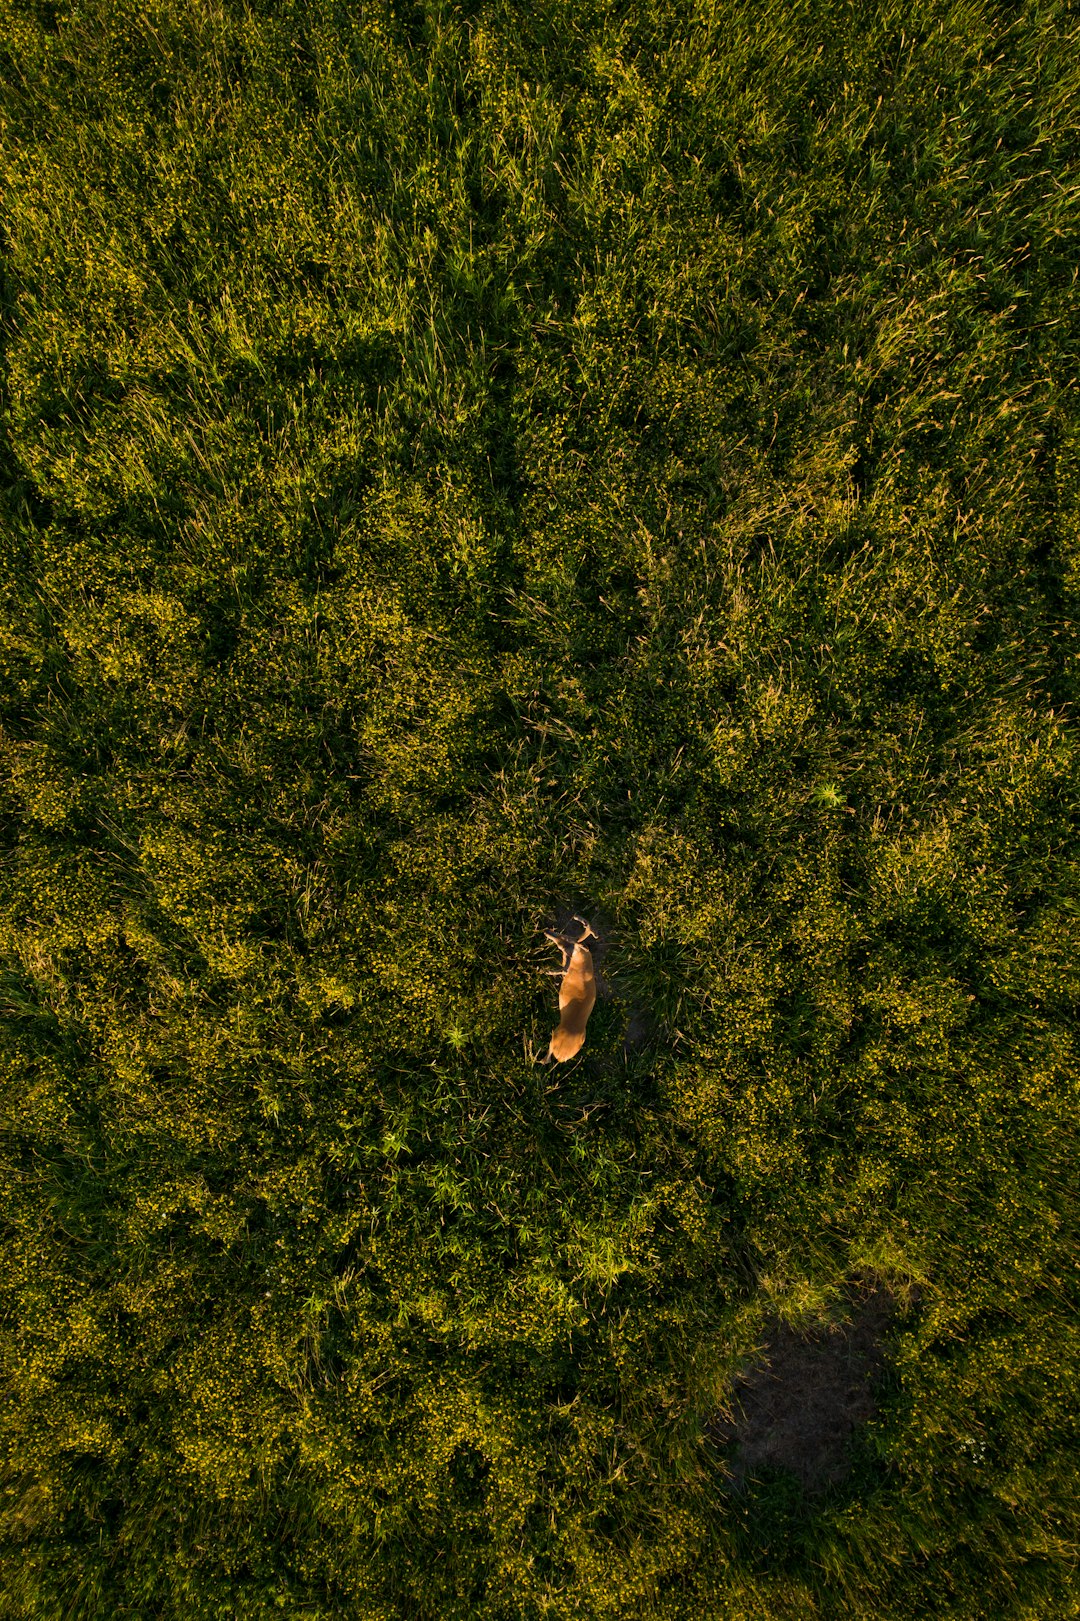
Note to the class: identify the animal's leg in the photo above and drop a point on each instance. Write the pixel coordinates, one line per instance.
(567, 954)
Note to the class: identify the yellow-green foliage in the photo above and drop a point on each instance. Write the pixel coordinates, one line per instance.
(460, 461)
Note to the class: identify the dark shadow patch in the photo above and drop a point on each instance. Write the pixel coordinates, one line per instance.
(799, 1405)
(468, 1471)
(640, 1030)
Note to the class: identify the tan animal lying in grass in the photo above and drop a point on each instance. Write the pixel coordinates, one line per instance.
(577, 995)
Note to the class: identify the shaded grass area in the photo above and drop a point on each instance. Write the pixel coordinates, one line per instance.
(461, 461)
(798, 1408)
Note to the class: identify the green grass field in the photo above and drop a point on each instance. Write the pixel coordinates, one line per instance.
(463, 464)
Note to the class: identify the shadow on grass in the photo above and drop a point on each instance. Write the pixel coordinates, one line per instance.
(798, 1408)
(793, 1435)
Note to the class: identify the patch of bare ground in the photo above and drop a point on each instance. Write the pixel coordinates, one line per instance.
(799, 1404)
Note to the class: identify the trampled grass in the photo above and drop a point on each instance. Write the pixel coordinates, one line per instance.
(462, 462)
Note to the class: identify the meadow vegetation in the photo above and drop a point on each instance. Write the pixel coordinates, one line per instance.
(461, 460)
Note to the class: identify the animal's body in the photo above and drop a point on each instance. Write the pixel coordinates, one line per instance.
(577, 995)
